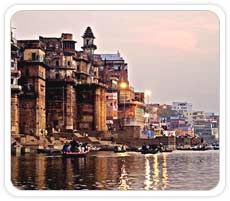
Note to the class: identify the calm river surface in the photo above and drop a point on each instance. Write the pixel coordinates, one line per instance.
(179, 170)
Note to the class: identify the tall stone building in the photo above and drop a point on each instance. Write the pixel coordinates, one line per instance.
(32, 108)
(15, 88)
(62, 90)
(60, 83)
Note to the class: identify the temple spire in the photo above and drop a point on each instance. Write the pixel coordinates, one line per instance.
(88, 41)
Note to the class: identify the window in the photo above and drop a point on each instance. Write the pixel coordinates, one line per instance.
(42, 87)
(33, 56)
(68, 63)
(57, 63)
(78, 68)
(87, 41)
(12, 81)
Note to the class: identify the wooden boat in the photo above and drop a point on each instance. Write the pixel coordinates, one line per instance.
(199, 148)
(75, 154)
(216, 147)
(149, 151)
(119, 150)
(166, 150)
(43, 151)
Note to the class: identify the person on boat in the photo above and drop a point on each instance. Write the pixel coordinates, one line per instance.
(123, 148)
(85, 146)
(160, 146)
(73, 145)
(153, 146)
(66, 147)
(144, 148)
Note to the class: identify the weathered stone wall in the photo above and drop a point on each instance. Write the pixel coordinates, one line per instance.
(70, 107)
(130, 132)
(85, 107)
(55, 106)
(27, 116)
(32, 109)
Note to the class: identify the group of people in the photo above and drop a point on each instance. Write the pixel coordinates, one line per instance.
(149, 147)
(74, 146)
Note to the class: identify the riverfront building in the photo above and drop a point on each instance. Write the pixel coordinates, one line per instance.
(182, 107)
(57, 89)
(15, 87)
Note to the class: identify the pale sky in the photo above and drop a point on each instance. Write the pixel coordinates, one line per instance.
(174, 54)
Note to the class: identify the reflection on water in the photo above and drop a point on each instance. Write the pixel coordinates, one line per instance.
(126, 171)
(155, 172)
(158, 181)
(123, 178)
(164, 172)
(147, 180)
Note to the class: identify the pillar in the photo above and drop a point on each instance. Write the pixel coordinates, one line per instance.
(103, 110)
(69, 107)
(97, 110)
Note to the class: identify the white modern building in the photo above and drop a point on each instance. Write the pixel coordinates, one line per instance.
(182, 107)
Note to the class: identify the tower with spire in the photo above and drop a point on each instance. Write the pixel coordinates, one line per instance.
(88, 41)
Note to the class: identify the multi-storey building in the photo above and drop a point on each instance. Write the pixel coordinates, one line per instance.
(15, 87)
(182, 107)
(61, 87)
(65, 90)
(32, 108)
(129, 108)
(114, 66)
(206, 125)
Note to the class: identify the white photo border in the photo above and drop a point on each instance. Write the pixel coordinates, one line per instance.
(7, 135)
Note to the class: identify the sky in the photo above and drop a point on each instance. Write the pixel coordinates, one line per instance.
(174, 54)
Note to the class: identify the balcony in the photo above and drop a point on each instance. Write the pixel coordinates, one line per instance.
(15, 87)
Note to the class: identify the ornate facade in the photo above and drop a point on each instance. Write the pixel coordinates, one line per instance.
(61, 89)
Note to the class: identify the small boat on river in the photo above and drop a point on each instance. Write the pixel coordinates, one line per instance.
(216, 146)
(166, 150)
(199, 148)
(75, 154)
(119, 149)
(75, 149)
(150, 149)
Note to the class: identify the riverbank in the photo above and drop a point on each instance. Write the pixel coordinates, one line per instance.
(32, 144)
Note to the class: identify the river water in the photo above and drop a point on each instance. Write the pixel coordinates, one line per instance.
(179, 170)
